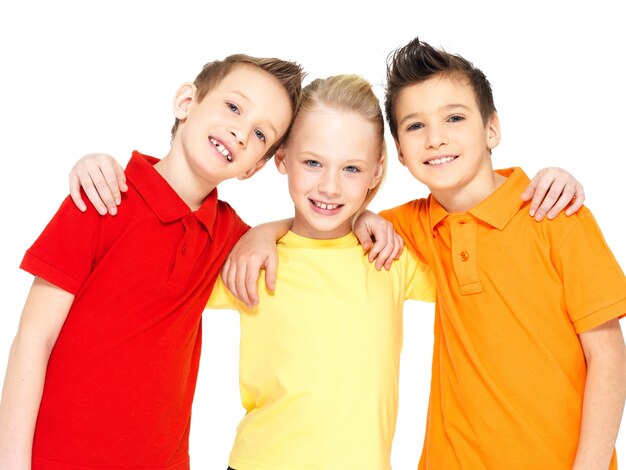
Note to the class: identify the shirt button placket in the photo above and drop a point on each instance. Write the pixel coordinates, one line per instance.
(463, 230)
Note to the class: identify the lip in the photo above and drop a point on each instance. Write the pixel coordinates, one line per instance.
(440, 160)
(223, 144)
(328, 209)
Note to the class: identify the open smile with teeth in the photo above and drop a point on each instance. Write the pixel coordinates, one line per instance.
(324, 206)
(221, 149)
(440, 161)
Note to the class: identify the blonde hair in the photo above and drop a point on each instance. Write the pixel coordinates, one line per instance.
(351, 93)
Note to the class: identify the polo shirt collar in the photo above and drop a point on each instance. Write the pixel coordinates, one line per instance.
(497, 209)
(161, 197)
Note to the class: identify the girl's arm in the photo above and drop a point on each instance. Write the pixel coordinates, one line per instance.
(552, 190)
(605, 391)
(256, 250)
(43, 316)
(103, 180)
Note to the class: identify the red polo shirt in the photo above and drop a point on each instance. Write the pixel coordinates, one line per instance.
(122, 374)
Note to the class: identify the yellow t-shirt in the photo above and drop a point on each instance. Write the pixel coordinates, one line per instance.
(508, 370)
(320, 357)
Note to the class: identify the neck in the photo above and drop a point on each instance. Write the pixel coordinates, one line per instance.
(191, 189)
(464, 198)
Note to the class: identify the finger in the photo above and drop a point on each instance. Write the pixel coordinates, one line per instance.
(104, 190)
(386, 250)
(566, 197)
(374, 251)
(240, 282)
(228, 276)
(271, 270)
(400, 242)
(75, 192)
(397, 251)
(111, 180)
(92, 194)
(550, 199)
(252, 286)
(362, 234)
(121, 178)
(532, 187)
(576, 203)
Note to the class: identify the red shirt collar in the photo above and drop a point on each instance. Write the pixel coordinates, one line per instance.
(161, 197)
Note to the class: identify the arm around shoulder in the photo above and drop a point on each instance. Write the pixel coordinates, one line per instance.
(43, 316)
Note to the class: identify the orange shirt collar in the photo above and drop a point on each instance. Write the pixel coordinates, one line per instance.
(497, 209)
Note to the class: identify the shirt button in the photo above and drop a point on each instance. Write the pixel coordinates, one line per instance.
(464, 256)
(183, 250)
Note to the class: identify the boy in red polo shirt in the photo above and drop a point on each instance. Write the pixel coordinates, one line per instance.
(529, 363)
(103, 368)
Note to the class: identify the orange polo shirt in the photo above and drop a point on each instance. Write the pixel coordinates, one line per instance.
(512, 296)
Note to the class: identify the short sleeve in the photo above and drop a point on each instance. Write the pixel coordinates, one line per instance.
(593, 282)
(409, 225)
(420, 279)
(222, 298)
(399, 217)
(64, 253)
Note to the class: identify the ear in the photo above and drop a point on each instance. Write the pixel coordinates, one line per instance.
(399, 151)
(378, 174)
(182, 100)
(251, 171)
(279, 159)
(493, 131)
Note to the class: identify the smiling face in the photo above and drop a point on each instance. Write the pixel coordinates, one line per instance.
(227, 134)
(332, 158)
(443, 140)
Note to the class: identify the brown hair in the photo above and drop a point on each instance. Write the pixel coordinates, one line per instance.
(289, 74)
(349, 93)
(418, 61)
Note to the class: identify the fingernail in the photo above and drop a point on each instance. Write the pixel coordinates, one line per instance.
(113, 211)
(532, 212)
(118, 201)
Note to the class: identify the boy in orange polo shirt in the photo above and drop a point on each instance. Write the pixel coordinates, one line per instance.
(103, 368)
(529, 363)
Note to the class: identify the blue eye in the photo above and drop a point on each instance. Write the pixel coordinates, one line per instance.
(260, 135)
(352, 169)
(415, 126)
(233, 107)
(312, 163)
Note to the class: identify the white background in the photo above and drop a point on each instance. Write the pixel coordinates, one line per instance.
(85, 76)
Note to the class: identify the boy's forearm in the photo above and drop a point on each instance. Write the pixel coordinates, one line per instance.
(603, 404)
(276, 230)
(21, 396)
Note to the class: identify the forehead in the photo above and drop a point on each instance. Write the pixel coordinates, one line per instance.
(260, 91)
(333, 132)
(435, 93)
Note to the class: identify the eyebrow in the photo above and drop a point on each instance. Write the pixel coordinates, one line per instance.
(266, 122)
(446, 107)
(350, 161)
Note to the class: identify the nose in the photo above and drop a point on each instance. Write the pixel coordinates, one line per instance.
(435, 137)
(241, 133)
(330, 184)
